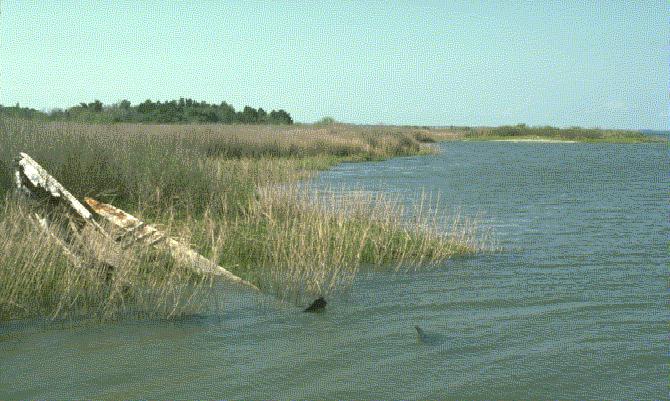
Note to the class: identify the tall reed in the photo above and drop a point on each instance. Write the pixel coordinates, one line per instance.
(300, 244)
(40, 276)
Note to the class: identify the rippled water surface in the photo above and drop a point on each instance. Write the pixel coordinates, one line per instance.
(575, 306)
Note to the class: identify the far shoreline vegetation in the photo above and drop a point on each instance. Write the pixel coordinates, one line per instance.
(577, 134)
(183, 110)
(188, 111)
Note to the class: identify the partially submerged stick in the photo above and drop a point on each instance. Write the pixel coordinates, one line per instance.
(149, 234)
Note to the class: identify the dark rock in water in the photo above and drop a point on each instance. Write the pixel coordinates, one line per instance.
(317, 306)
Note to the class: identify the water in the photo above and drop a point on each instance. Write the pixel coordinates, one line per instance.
(574, 307)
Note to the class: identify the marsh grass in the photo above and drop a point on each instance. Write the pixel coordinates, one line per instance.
(299, 244)
(38, 278)
(167, 165)
(229, 192)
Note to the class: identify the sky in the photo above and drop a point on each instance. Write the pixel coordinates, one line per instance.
(563, 63)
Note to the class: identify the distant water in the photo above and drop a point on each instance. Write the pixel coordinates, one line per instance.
(574, 307)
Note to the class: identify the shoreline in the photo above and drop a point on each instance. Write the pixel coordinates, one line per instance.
(650, 140)
(210, 197)
(539, 140)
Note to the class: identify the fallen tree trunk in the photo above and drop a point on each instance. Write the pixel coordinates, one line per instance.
(149, 234)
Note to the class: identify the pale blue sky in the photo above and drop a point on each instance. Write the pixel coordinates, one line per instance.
(588, 63)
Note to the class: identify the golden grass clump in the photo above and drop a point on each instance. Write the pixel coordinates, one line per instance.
(38, 276)
(299, 244)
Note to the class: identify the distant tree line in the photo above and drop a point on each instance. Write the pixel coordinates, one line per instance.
(172, 111)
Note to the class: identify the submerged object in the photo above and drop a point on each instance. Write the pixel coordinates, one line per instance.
(317, 306)
(421, 334)
(431, 338)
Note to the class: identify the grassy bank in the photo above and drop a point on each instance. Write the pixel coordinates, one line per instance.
(38, 279)
(218, 188)
(575, 134)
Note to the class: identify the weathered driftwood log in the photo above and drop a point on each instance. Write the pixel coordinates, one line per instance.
(149, 234)
(42, 223)
(94, 253)
(34, 181)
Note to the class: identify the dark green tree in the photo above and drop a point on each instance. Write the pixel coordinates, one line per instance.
(280, 117)
(249, 115)
(96, 106)
(262, 116)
